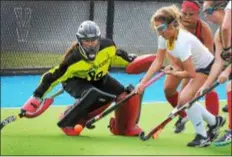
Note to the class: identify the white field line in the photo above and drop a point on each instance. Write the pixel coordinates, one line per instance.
(146, 102)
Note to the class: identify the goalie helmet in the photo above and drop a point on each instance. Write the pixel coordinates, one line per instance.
(88, 37)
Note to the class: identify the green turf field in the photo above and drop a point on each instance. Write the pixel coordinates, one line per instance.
(41, 136)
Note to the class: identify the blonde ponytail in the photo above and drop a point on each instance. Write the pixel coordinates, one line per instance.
(167, 14)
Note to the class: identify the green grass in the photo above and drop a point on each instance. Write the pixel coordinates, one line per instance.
(41, 136)
(29, 59)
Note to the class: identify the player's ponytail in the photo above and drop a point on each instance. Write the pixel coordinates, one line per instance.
(70, 50)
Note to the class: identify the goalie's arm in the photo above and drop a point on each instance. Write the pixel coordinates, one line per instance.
(52, 77)
(122, 58)
(34, 106)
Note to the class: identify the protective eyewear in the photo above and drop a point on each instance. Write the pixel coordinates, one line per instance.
(161, 28)
(210, 10)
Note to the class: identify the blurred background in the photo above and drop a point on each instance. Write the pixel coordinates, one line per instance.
(35, 34)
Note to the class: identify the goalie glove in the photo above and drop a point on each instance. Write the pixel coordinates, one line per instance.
(35, 106)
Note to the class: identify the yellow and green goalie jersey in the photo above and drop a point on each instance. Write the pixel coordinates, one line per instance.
(75, 65)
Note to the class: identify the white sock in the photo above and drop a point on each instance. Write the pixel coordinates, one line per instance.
(207, 116)
(195, 116)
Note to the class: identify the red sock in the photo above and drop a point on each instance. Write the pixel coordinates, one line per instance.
(212, 102)
(229, 95)
(173, 100)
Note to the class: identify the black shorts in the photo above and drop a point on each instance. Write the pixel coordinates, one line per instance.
(206, 70)
(76, 87)
(230, 77)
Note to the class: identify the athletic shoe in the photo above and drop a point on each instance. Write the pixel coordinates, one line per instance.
(225, 139)
(213, 131)
(199, 141)
(179, 125)
(225, 108)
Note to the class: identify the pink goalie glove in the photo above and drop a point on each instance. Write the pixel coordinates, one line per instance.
(35, 106)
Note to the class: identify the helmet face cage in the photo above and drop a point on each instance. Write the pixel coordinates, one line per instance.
(88, 31)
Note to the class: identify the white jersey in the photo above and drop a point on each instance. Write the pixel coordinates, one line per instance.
(187, 45)
(228, 7)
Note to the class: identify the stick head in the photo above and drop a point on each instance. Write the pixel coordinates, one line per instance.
(89, 126)
(142, 136)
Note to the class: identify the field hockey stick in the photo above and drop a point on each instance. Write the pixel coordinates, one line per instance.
(155, 131)
(13, 118)
(90, 122)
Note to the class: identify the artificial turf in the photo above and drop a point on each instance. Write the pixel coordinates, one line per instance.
(41, 136)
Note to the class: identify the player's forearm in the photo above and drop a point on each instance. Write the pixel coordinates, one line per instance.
(184, 74)
(226, 30)
(155, 67)
(41, 89)
(226, 33)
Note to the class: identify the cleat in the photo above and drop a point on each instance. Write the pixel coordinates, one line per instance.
(225, 139)
(199, 141)
(213, 131)
(225, 108)
(179, 125)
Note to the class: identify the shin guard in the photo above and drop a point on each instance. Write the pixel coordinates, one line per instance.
(212, 102)
(173, 100)
(126, 117)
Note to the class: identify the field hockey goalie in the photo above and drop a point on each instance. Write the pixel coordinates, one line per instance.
(95, 102)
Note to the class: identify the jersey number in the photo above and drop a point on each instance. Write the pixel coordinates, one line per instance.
(95, 76)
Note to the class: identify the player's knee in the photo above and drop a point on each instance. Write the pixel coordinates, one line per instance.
(169, 91)
(183, 99)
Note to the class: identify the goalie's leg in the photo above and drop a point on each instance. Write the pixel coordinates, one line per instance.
(92, 102)
(126, 117)
(81, 120)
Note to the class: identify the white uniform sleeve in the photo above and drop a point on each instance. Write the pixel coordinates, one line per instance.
(185, 52)
(228, 7)
(161, 43)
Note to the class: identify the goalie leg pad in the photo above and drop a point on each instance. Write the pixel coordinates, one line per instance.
(140, 64)
(82, 107)
(126, 117)
(69, 131)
